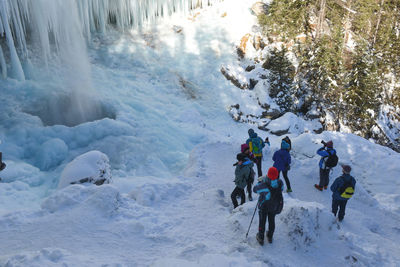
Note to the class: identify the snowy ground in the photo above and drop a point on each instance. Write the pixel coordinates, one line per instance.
(171, 147)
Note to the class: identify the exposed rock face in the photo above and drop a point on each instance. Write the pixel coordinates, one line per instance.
(272, 114)
(250, 41)
(259, 8)
(243, 45)
(235, 112)
(231, 77)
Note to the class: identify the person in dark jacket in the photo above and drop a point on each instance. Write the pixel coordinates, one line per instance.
(242, 173)
(265, 195)
(246, 150)
(339, 200)
(256, 144)
(2, 164)
(324, 152)
(282, 160)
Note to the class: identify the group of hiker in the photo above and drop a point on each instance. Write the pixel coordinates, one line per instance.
(270, 186)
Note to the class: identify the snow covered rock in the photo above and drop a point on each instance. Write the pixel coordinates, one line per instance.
(290, 123)
(92, 167)
(259, 8)
(236, 76)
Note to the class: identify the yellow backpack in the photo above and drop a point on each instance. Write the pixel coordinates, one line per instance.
(347, 190)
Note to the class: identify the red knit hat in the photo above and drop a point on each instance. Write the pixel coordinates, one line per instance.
(273, 173)
(244, 147)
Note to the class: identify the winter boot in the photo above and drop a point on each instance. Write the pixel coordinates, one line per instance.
(260, 238)
(269, 238)
(318, 187)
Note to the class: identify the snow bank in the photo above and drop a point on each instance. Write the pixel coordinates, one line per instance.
(44, 257)
(151, 194)
(51, 153)
(209, 260)
(93, 165)
(103, 200)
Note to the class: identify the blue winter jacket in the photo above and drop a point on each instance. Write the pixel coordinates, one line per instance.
(262, 189)
(338, 183)
(282, 159)
(324, 153)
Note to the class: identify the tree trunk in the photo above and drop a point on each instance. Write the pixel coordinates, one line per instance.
(378, 23)
(321, 19)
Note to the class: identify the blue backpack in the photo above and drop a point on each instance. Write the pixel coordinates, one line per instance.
(257, 145)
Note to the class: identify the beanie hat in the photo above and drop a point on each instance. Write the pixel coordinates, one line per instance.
(284, 145)
(329, 144)
(346, 169)
(250, 131)
(273, 173)
(241, 156)
(244, 147)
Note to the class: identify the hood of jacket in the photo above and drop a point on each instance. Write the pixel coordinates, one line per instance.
(253, 135)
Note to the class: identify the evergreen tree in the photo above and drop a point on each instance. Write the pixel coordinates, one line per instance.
(281, 78)
(362, 94)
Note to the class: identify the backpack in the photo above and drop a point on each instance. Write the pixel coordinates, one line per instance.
(332, 160)
(275, 203)
(256, 145)
(347, 190)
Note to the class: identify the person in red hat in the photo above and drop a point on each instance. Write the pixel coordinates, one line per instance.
(270, 202)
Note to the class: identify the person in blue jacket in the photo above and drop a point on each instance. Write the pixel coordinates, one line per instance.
(272, 179)
(324, 152)
(340, 194)
(282, 160)
(256, 144)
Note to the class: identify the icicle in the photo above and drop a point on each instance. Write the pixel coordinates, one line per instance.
(3, 64)
(16, 68)
(46, 22)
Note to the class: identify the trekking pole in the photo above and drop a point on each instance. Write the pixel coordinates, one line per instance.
(251, 220)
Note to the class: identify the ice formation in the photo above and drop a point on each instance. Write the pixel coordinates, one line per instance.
(41, 23)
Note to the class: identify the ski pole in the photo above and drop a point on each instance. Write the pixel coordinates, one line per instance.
(251, 220)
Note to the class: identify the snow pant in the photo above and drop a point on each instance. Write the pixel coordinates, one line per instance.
(258, 163)
(284, 173)
(341, 205)
(324, 177)
(263, 214)
(238, 192)
(249, 187)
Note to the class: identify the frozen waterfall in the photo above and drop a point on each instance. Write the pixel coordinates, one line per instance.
(55, 33)
(60, 26)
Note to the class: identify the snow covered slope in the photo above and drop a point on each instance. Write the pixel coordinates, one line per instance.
(188, 220)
